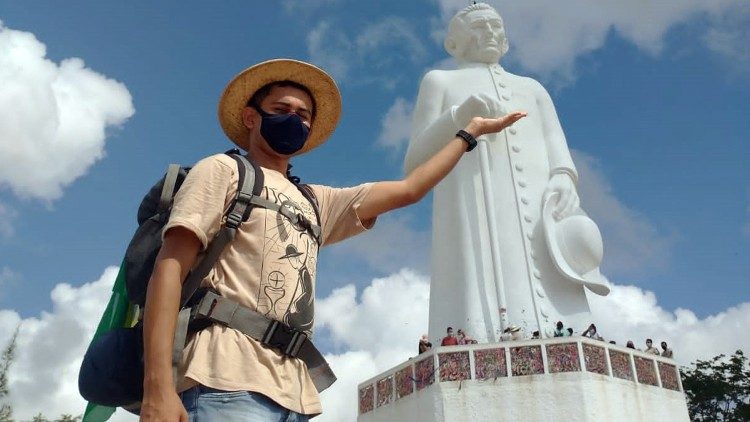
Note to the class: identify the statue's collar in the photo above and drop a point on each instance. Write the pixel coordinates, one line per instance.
(493, 66)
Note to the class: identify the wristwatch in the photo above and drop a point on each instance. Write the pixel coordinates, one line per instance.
(469, 138)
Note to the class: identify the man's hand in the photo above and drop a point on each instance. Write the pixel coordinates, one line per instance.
(479, 126)
(477, 105)
(568, 200)
(163, 406)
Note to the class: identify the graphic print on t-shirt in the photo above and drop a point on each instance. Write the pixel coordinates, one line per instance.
(287, 290)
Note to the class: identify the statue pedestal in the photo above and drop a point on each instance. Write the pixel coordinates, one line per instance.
(568, 378)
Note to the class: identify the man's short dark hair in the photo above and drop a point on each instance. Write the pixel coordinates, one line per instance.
(649, 340)
(449, 329)
(265, 90)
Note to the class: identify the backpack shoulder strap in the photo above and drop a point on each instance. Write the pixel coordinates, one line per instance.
(250, 183)
(309, 194)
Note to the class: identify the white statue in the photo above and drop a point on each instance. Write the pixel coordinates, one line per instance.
(547, 249)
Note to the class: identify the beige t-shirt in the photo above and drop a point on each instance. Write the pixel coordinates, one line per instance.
(269, 267)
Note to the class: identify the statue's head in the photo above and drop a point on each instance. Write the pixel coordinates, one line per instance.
(476, 35)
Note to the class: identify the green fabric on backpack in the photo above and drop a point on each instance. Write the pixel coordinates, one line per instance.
(119, 313)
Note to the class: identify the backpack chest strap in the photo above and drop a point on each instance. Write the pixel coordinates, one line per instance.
(287, 340)
(287, 210)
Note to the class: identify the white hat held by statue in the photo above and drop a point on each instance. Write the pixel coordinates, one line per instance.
(575, 245)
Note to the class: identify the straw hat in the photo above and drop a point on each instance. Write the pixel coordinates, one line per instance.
(243, 86)
(575, 245)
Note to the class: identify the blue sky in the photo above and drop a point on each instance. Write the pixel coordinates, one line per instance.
(653, 104)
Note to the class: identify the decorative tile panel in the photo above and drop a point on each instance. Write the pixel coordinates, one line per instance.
(563, 357)
(526, 360)
(595, 358)
(454, 366)
(385, 390)
(490, 363)
(404, 382)
(668, 375)
(424, 372)
(620, 365)
(645, 370)
(366, 399)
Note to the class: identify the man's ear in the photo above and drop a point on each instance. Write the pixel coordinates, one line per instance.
(250, 117)
(451, 46)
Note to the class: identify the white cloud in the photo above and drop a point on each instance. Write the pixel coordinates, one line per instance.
(631, 313)
(44, 375)
(547, 36)
(7, 215)
(329, 48)
(7, 277)
(53, 117)
(395, 128)
(374, 55)
(380, 329)
(373, 331)
(393, 244)
(729, 36)
(633, 245)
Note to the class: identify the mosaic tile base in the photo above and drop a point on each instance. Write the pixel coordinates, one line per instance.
(620, 365)
(490, 363)
(366, 399)
(668, 375)
(645, 370)
(526, 360)
(404, 382)
(424, 372)
(385, 391)
(563, 357)
(595, 359)
(454, 366)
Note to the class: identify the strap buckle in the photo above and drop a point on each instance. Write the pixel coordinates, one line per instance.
(288, 340)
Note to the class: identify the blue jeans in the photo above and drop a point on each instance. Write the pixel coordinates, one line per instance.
(205, 404)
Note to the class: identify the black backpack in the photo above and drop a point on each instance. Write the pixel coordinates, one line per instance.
(112, 368)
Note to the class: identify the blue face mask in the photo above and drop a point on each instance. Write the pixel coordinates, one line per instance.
(284, 133)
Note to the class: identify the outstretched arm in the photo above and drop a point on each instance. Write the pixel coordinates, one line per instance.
(386, 196)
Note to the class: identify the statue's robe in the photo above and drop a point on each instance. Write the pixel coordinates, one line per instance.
(522, 159)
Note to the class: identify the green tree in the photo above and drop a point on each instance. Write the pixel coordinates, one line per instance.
(718, 389)
(6, 411)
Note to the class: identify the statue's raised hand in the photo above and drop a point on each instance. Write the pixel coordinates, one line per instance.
(477, 105)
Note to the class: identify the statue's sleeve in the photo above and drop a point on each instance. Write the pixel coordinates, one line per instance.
(557, 148)
(432, 127)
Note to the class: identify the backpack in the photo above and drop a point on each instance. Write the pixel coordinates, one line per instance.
(112, 369)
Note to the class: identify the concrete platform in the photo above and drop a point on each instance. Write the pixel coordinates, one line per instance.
(568, 378)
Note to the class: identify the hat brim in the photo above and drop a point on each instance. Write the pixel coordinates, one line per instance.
(239, 90)
(593, 280)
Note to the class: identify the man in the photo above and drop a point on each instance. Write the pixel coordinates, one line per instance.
(592, 333)
(666, 351)
(424, 344)
(528, 163)
(650, 347)
(449, 339)
(559, 329)
(274, 110)
(463, 339)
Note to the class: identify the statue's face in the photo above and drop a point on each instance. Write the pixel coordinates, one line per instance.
(486, 36)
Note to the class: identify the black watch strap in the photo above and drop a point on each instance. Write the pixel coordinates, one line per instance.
(469, 138)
